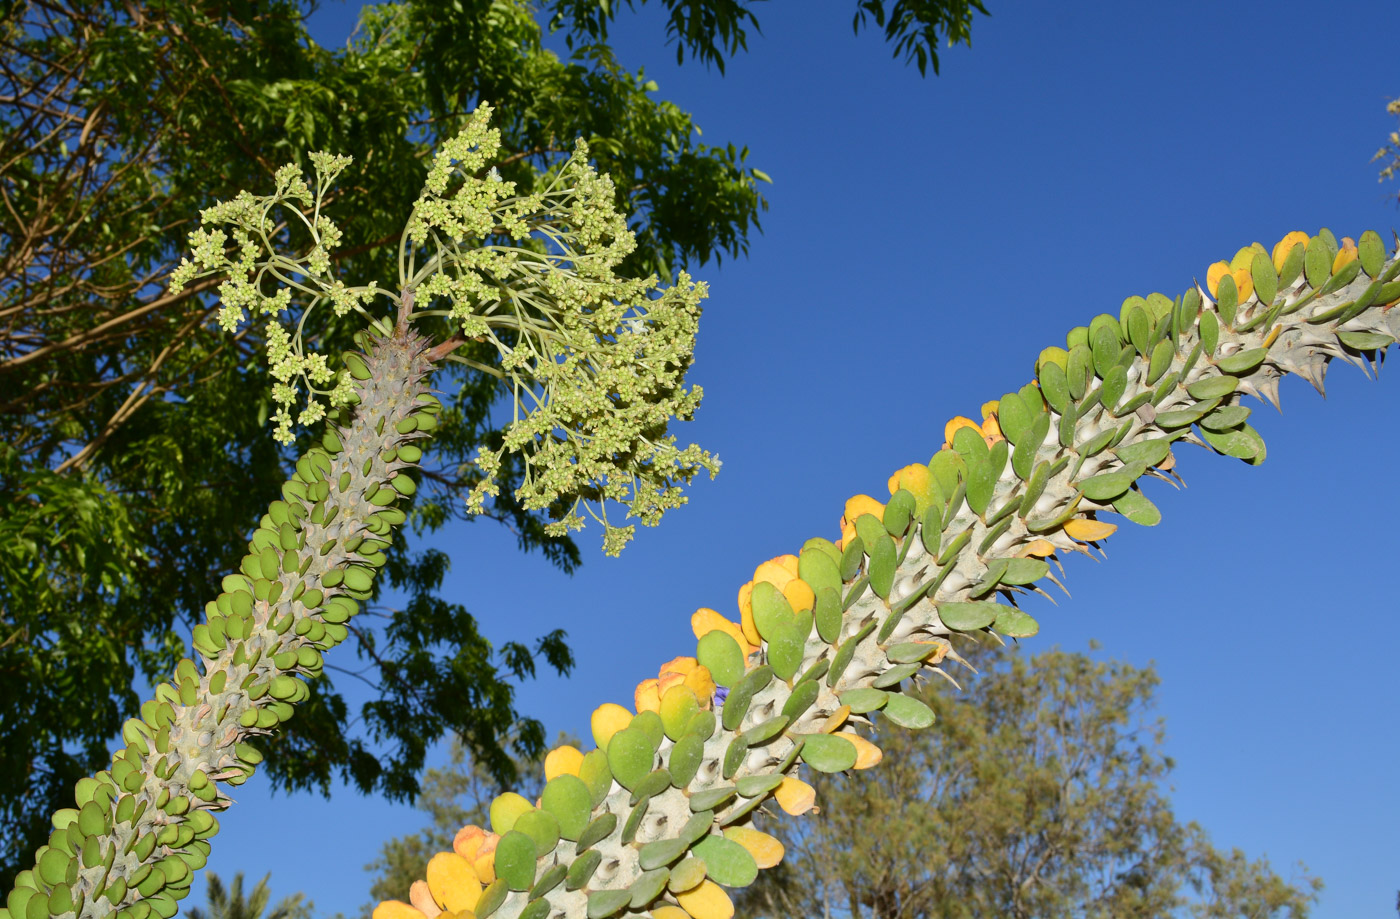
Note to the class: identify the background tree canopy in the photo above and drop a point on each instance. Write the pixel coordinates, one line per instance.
(1039, 792)
(134, 456)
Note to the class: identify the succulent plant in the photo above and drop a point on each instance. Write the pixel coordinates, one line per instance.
(658, 818)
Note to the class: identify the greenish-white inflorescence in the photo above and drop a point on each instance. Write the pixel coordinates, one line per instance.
(533, 288)
(261, 281)
(594, 361)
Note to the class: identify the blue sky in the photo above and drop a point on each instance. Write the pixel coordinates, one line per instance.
(926, 238)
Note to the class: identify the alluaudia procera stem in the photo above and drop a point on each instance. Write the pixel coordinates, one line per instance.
(657, 819)
(142, 827)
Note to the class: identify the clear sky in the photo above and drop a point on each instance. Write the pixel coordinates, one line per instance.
(926, 238)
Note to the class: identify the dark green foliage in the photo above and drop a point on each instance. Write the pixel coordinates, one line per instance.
(1039, 792)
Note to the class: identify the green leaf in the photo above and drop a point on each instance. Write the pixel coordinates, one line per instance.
(1136, 507)
(968, 617)
(722, 655)
(908, 712)
(727, 862)
(515, 860)
(1015, 624)
(829, 752)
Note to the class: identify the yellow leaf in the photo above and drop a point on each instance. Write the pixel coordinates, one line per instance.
(800, 595)
(835, 720)
(867, 754)
(674, 703)
(1039, 548)
(422, 898)
(1285, 246)
(1051, 355)
(485, 860)
(563, 760)
(746, 614)
(667, 680)
(991, 430)
(453, 882)
(669, 912)
(765, 849)
(608, 719)
(707, 901)
(796, 796)
(396, 909)
(1345, 255)
(468, 840)
(952, 427)
(681, 665)
(989, 409)
(647, 697)
(1244, 283)
(702, 683)
(705, 621)
(1245, 257)
(863, 504)
(915, 478)
(1214, 273)
(1086, 530)
(774, 572)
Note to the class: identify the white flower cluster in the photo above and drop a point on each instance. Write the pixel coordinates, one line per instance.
(260, 281)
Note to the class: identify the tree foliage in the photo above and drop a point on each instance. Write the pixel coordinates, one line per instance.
(1039, 792)
(133, 458)
(232, 903)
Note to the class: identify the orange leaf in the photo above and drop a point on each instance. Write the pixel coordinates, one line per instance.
(766, 850)
(1345, 255)
(706, 620)
(952, 427)
(485, 860)
(914, 478)
(1086, 530)
(647, 697)
(707, 900)
(1285, 246)
(867, 754)
(775, 572)
(1039, 548)
(396, 909)
(453, 882)
(1244, 283)
(796, 796)
(1214, 273)
(863, 504)
(746, 614)
(702, 684)
(669, 912)
(422, 899)
(800, 594)
(681, 665)
(835, 720)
